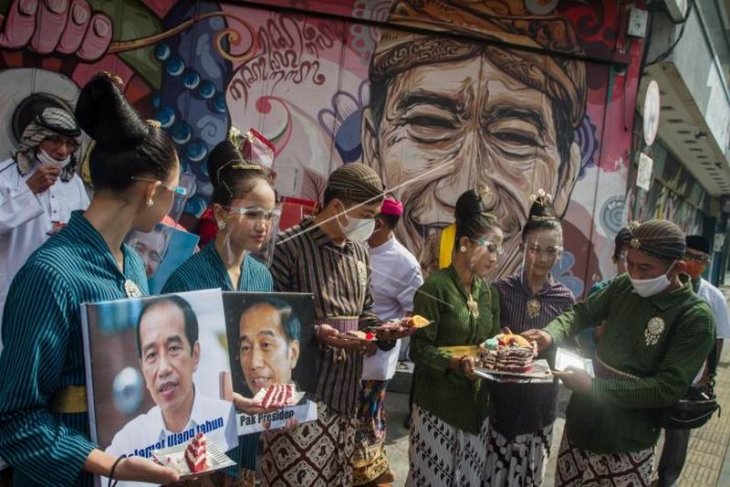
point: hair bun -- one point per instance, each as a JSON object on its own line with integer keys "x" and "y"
{"x": 542, "y": 210}
{"x": 223, "y": 153}
{"x": 104, "y": 113}
{"x": 468, "y": 205}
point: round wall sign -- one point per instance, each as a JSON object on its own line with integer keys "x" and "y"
{"x": 651, "y": 112}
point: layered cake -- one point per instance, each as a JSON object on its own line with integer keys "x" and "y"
{"x": 507, "y": 353}
{"x": 196, "y": 454}
{"x": 276, "y": 396}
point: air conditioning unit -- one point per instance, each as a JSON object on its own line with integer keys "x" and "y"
{"x": 676, "y": 9}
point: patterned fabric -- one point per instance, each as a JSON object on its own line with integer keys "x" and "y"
{"x": 369, "y": 461}
{"x": 519, "y": 461}
{"x": 52, "y": 122}
{"x": 442, "y": 455}
{"x": 520, "y": 409}
{"x": 581, "y": 468}
{"x": 316, "y": 454}
{"x": 307, "y": 261}
{"x": 73, "y": 267}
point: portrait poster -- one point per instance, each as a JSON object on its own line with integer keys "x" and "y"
{"x": 162, "y": 250}
{"x": 271, "y": 340}
{"x": 156, "y": 369}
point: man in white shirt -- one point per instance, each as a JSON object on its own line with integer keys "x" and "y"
{"x": 395, "y": 278}
{"x": 697, "y": 256}
{"x": 39, "y": 188}
{"x": 169, "y": 352}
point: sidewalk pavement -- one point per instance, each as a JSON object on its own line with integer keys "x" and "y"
{"x": 708, "y": 458}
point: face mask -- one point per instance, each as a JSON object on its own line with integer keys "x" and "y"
{"x": 651, "y": 287}
{"x": 695, "y": 269}
{"x": 44, "y": 158}
{"x": 358, "y": 229}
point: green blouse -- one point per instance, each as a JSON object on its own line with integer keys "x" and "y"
{"x": 642, "y": 375}
{"x": 449, "y": 395}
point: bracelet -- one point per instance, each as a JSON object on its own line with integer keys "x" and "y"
{"x": 114, "y": 467}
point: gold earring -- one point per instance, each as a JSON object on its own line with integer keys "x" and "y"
{"x": 149, "y": 203}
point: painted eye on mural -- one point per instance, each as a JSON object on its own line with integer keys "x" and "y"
{"x": 430, "y": 128}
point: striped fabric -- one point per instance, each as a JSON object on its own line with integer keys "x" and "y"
{"x": 44, "y": 351}
{"x": 339, "y": 370}
{"x": 306, "y": 260}
{"x": 526, "y": 408}
{"x": 205, "y": 270}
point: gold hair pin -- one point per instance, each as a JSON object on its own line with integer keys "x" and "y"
{"x": 153, "y": 123}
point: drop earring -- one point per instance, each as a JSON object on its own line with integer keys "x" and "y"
{"x": 221, "y": 225}
{"x": 462, "y": 249}
{"x": 149, "y": 203}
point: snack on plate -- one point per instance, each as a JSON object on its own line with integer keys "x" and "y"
{"x": 196, "y": 454}
{"x": 416, "y": 321}
{"x": 507, "y": 353}
{"x": 369, "y": 336}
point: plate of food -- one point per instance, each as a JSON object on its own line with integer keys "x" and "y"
{"x": 511, "y": 356}
{"x": 193, "y": 459}
{"x": 411, "y": 322}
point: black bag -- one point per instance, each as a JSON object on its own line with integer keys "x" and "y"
{"x": 692, "y": 411}
{"x": 698, "y": 405}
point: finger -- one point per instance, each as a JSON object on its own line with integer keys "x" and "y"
{"x": 78, "y": 21}
{"x": 97, "y": 39}
{"x": 19, "y": 24}
{"x": 506, "y": 330}
{"x": 52, "y": 18}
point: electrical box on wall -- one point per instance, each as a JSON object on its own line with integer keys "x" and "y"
{"x": 637, "y": 22}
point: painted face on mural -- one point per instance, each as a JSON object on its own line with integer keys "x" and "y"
{"x": 451, "y": 126}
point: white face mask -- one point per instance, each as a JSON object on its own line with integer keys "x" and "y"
{"x": 44, "y": 158}
{"x": 651, "y": 287}
{"x": 358, "y": 229}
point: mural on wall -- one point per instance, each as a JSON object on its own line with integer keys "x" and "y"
{"x": 497, "y": 95}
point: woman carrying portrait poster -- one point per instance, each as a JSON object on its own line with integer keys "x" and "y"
{"x": 244, "y": 205}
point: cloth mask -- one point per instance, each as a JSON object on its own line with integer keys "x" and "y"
{"x": 358, "y": 229}
{"x": 45, "y": 158}
{"x": 651, "y": 287}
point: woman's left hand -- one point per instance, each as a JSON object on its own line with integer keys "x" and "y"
{"x": 468, "y": 364}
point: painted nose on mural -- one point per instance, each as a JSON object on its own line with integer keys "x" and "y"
{"x": 464, "y": 169}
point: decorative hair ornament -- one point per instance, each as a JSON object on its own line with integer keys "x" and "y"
{"x": 634, "y": 242}
{"x": 153, "y": 123}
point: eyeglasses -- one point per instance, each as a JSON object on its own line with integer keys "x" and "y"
{"x": 256, "y": 213}
{"x": 697, "y": 258}
{"x": 550, "y": 250}
{"x": 71, "y": 143}
{"x": 492, "y": 247}
{"x": 178, "y": 190}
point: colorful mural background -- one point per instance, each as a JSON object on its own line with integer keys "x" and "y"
{"x": 508, "y": 96}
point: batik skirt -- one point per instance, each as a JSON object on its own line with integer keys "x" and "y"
{"x": 369, "y": 461}
{"x": 519, "y": 461}
{"x": 443, "y": 455}
{"x": 582, "y": 468}
{"x": 317, "y": 454}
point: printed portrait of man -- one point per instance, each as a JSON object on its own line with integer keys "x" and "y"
{"x": 269, "y": 343}
{"x": 169, "y": 353}
{"x": 448, "y": 114}
{"x": 151, "y": 246}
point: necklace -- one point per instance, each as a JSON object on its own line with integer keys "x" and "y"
{"x": 533, "y": 308}
{"x": 473, "y": 306}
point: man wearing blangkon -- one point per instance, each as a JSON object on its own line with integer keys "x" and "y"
{"x": 447, "y": 114}
{"x": 169, "y": 352}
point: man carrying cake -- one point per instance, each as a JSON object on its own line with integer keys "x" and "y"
{"x": 658, "y": 333}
